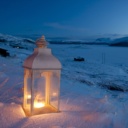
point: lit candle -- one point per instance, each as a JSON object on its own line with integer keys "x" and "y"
{"x": 38, "y": 104}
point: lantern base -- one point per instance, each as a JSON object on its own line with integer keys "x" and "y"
{"x": 42, "y": 110}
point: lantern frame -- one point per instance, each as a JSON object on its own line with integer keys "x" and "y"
{"x": 41, "y": 81}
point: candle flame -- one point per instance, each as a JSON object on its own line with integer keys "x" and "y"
{"x": 39, "y": 104}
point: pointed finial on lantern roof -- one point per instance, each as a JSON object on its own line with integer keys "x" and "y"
{"x": 41, "y": 42}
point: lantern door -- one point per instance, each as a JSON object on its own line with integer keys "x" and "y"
{"x": 45, "y": 91}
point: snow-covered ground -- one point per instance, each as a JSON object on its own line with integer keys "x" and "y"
{"x": 94, "y": 93}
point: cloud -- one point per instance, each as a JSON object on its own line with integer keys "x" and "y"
{"x": 64, "y": 27}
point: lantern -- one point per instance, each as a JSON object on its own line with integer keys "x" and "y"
{"x": 41, "y": 81}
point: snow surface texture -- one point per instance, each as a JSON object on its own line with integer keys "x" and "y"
{"x": 86, "y": 101}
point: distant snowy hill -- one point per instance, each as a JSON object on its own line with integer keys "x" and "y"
{"x": 13, "y": 44}
{"x": 103, "y": 40}
{"x": 98, "y": 41}
{"x": 27, "y": 43}
{"x": 15, "y": 41}
{"x": 120, "y": 42}
{"x": 9, "y": 38}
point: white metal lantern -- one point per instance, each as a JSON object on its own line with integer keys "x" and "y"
{"x": 41, "y": 81}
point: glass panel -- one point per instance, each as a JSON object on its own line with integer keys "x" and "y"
{"x": 55, "y": 89}
{"x": 27, "y": 91}
{"x": 39, "y": 89}
{"x": 45, "y": 91}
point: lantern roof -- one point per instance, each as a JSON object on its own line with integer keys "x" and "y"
{"x": 42, "y": 57}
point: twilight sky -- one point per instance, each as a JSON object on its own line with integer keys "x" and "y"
{"x": 64, "y": 18}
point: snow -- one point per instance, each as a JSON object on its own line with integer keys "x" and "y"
{"x": 86, "y": 101}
